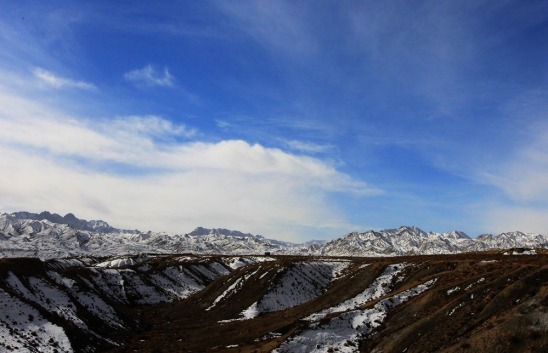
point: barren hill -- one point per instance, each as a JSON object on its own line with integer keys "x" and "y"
{"x": 480, "y": 302}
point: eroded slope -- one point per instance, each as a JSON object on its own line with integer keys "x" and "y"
{"x": 484, "y": 302}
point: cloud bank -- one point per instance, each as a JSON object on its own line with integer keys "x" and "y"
{"x": 150, "y": 173}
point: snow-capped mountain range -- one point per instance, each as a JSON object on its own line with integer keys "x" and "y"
{"x": 48, "y": 235}
{"x": 414, "y": 241}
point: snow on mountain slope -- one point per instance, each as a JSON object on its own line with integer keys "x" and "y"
{"x": 343, "y": 332}
{"x": 414, "y": 241}
{"x": 41, "y": 235}
{"x": 71, "y": 220}
{"x": 380, "y": 286}
{"x": 43, "y": 238}
{"x": 23, "y": 328}
{"x": 297, "y": 284}
{"x": 116, "y": 304}
{"x": 232, "y": 289}
{"x": 43, "y": 302}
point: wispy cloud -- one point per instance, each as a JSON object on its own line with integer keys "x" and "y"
{"x": 152, "y": 126}
{"x": 505, "y": 218}
{"x": 517, "y": 167}
{"x": 55, "y": 81}
{"x": 149, "y": 76}
{"x": 308, "y": 147}
{"x": 222, "y": 124}
{"x": 523, "y": 176}
{"x": 276, "y": 25}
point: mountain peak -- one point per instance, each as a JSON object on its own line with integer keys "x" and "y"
{"x": 412, "y": 230}
{"x": 21, "y": 233}
{"x": 456, "y": 234}
{"x": 72, "y": 221}
{"x": 70, "y": 217}
{"x": 201, "y": 231}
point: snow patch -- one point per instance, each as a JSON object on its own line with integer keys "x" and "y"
{"x": 232, "y": 289}
{"x": 378, "y": 288}
{"x": 301, "y": 282}
{"x": 22, "y": 328}
{"x": 473, "y": 284}
{"x": 342, "y": 333}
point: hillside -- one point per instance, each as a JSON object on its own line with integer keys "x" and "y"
{"x": 483, "y": 302}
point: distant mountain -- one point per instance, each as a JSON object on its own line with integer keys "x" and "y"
{"x": 245, "y": 240}
{"x": 414, "y": 241}
{"x": 71, "y": 220}
{"x": 49, "y": 235}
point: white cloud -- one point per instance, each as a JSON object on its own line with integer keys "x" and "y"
{"x": 308, "y": 147}
{"x": 52, "y": 161}
{"x": 172, "y": 201}
{"x": 522, "y": 177}
{"x": 511, "y": 218}
{"x": 150, "y": 77}
{"x": 55, "y": 81}
{"x": 522, "y": 172}
{"x": 150, "y": 125}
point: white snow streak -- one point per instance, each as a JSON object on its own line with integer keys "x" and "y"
{"x": 343, "y": 332}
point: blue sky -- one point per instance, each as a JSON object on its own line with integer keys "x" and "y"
{"x": 292, "y": 119}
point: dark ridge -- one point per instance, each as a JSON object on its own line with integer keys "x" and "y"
{"x": 72, "y": 221}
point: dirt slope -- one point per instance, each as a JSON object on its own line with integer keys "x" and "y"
{"x": 479, "y": 303}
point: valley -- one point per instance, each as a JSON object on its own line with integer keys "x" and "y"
{"x": 71, "y": 285}
{"x": 478, "y": 302}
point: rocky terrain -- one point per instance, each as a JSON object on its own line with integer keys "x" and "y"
{"x": 483, "y": 302}
{"x": 71, "y": 285}
{"x": 414, "y": 241}
{"x": 48, "y": 235}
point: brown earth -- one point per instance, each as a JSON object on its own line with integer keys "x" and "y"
{"x": 507, "y": 311}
